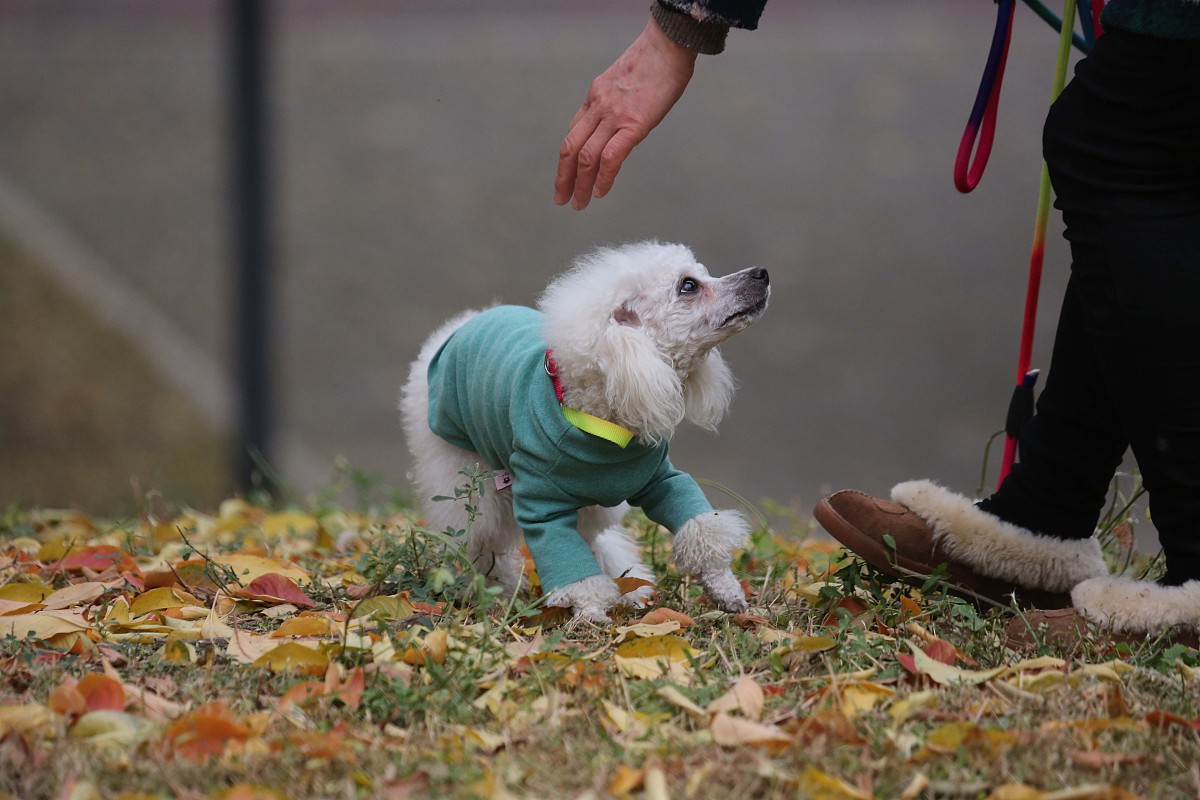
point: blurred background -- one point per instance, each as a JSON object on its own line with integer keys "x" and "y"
{"x": 412, "y": 152}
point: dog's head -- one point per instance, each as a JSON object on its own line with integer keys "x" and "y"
{"x": 636, "y": 329}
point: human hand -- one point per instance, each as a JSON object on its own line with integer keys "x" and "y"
{"x": 623, "y": 105}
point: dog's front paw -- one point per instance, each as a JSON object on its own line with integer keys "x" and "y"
{"x": 704, "y": 547}
{"x": 725, "y": 590}
{"x": 589, "y": 599}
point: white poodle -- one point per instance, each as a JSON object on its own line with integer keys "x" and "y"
{"x": 573, "y": 405}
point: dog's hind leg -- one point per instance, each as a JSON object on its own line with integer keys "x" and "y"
{"x": 494, "y": 540}
{"x": 617, "y": 553}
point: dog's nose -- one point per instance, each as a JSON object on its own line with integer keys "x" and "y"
{"x": 760, "y": 274}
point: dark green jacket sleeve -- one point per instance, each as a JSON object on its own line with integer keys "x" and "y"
{"x": 671, "y": 498}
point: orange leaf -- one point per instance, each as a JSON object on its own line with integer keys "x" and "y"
{"x": 66, "y": 699}
{"x": 657, "y": 615}
{"x": 909, "y": 608}
{"x": 626, "y": 585}
{"x": 101, "y": 693}
{"x": 352, "y": 689}
{"x": 301, "y": 693}
{"x": 204, "y": 732}
{"x": 275, "y": 588}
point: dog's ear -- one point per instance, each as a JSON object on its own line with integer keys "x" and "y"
{"x": 708, "y": 391}
{"x": 640, "y": 385}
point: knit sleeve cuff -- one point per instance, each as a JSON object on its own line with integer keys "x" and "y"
{"x": 706, "y": 38}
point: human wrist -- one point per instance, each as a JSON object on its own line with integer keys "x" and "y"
{"x": 704, "y": 38}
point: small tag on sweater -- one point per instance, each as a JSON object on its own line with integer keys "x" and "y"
{"x": 503, "y": 481}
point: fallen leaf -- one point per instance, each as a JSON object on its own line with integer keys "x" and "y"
{"x": 160, "y": 598}
{"x": 1094, "y": 759}
{"x": 657, "y": 615}
{"x": 275, "y": 588}
{"x": 729, "y": 731}
{"x": 680, "y": 700}
{"x": 305, "y": 626}
{"x": 77, "y": 594}
{"x": 204, "y": 732}
{"x": 249, "y": 567}
{"x": 745, "y": 697}
{"x": 97, "y": 558}
{"x": 817, "y": 785}
{"x": 41, "y": 626}
{"x": 859, "y": 698}
{"x": 294, "y": 657}
{"x": 101, "y": 693}
{"x": 644, "y": 630}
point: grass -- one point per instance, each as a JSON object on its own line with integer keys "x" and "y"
{"x": 466, "y": 692}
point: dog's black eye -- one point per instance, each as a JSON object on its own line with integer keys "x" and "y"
{"x": 688, "y": 285}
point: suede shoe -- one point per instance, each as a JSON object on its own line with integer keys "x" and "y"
{"x": 860, "y": 521}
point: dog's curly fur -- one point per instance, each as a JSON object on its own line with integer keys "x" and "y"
{"x": 634, "y": 331}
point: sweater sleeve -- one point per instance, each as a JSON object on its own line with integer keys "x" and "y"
{"x": 702, "y": 25}
{"x": 671, "y": 498}
{"x": 549, "y": 519}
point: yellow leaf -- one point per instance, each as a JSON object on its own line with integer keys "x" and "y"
{"x": 289, "y": 523}
{"x": 680, "y": 700}
{"x": 624, "y": 721}
{"x": 817, "y": 785}
{"x": 385, "y": 607}
{"x": 484, "y": 740}
{"x": 177, "y": 650}
{"x": 673, "y": 648}
{"x": 29, "y": 719}
{"x": 160, "y": 598}
{"x": 1108, "y": 671}
{"x": 1190, "y": 673}
{"x": 77, "y": 594}
{"x": 801, "y": 649}
{"x": 1015, "y": 791}
{"x": 947, "y": 738}
{"x": 730, "y": 731}
{"x": 1041, "y": 682}
{"x": 110, "y": 728}
{"x": 214, "y": 628}
{"x": 41, "y": 626}
{"x": 292, "y": 656}
{"x": 858, "y": 698}
{"x": 655, "y": 656}
{"x": 914, "y": 703}
{"x": 644, "y": 630}
{"x": 248, "y": 567}
{"x": 24, "y": 592}
{"x": 948, "y": 675}
{"x": 746, "y": 698}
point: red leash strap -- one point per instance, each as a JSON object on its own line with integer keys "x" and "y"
{"x": 981, "y": 125}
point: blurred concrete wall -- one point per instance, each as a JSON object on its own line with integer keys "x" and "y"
{"x": 416, "y": 147}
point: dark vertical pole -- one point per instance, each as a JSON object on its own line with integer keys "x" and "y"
{"x": 251, "y": 224}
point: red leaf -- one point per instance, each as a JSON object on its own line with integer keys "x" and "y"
{"x": 941, "y": 650}
{"x": 273, "y": 587}
{"x": 97, "y": 559}
{"x": 908, "y": 662}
